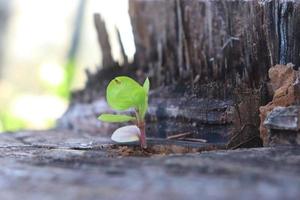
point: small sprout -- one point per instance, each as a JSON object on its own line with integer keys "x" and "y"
{"x": 123, "y": 93}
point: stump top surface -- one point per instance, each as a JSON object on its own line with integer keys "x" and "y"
{"x": 66, "y": 165}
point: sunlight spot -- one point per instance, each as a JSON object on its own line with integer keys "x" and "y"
{"x": 37, "y": 111}
{"x": 51, "y": 73}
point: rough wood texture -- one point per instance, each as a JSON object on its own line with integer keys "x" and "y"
{"x": 208, "y": 61}
{"x": 197, "y": 53}
{"x": 283, "y": 125}
{"x": 200, "y": 41}
{"x": 103, "y": 39}
{"x": 218, "y": 49}
{"x": 65, "y": 165}
{"x": 222, "y": 49}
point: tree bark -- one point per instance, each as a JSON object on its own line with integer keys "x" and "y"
{"x": 208, "y": 63}
{"x": 217, "y": 50}
{"x": 230, "y": 42}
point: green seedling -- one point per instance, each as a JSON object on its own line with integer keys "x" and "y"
{"x": 124, "y": 93}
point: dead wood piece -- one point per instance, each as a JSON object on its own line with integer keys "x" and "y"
{"x": 103, "y": 38}
{"x": 195, "y": 140}
{"x": 180, "y": 135}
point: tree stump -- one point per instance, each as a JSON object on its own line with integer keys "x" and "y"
{"x": 73, "y": 166}
{"x": 207, "y": 62}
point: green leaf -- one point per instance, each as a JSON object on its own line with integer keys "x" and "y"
{"x": 123, "y": 93}
{"x": 146, "y": 85}
{"x": 115, "y": 118}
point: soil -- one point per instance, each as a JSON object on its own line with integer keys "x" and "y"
{"x": 158, "y": 149}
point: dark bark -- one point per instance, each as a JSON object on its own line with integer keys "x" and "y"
{"x": 218, "y": 50}
{"x": 103, "y": 38}
{"x": 228, "y": 42}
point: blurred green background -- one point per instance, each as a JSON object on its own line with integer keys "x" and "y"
{"x": 45, "y": 45}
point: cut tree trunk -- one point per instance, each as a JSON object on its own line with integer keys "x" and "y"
{"x": 207, "y": 61}
{"x": 66, "y": 165}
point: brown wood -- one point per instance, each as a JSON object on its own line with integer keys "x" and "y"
{"x": 217, "y": 50}
{"x": 207, "y": 61}
{"x": 103, "y": 38}
{"x": 204, "y": 41}
{"x": 180, "y": 135}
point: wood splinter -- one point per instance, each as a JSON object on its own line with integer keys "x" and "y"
{"x": 182, "y": 136}
{"x": 178, "y": 136}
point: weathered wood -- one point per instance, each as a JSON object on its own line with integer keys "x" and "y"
{"x": 283, "y": 125}
{"x": 207, "y": 61}
{"x": 217, "y": 49}
{"x": 103, "y": 38}
{"x": 66, "y": 165}
{"x": 229, "y": 42}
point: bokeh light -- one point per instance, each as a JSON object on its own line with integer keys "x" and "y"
{"x": 35, "y": 44}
